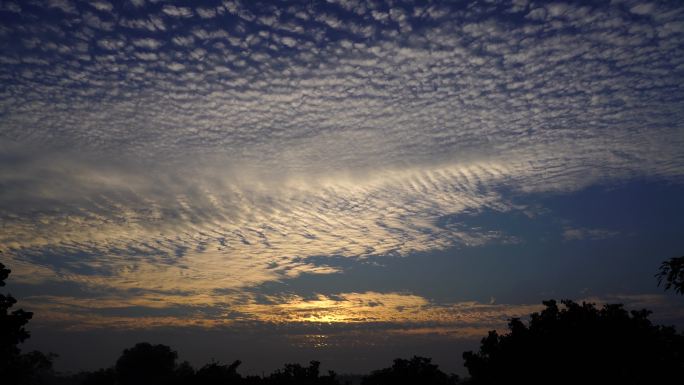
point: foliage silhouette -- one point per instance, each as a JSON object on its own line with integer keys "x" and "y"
{"x": 145, "y": 363}
{"x": 185, "y": 374}
{"x": 672, "y": 273}
{"x": 17, "y": 368}
{"x": 579, "y": 344}
{"x": 12, "y": 331}
{"x": 417, "y": 370}
{"x": 295, "y": 374}
{"x": 99, "y": 377}
{"x": 217, "y": 374}
{"x": 156, "y": 365}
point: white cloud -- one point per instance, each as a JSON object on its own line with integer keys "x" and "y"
{"x": 176, "y": 67}
{"x": 147, "y": 43}
{"x": 94, "y": 21}
{"x": 111, "y": 44}
{"x": 102, "y": 5}
{"x": 174, "y": 11}
{"x": 206, "y": 13}
{"x": 64, "y": 5}
{"x": 142, "y": 24}
{"x": 183, "y": 40}
{"x": 146, "y": 55}
{"x": 643, "y": 8}
{"x": 288, "y": 41}
{"x": 537, "y": 14}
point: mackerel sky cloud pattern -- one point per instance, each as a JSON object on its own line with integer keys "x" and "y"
{"x": 233, "y": 143}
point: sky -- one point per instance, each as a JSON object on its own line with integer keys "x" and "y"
{"x": 346, "y": 181}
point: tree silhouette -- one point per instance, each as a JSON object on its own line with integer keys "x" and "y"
{"x": 12, "y": 331}
{"x": 99, "y": 377}
{"x": 217, "y": 374}
{"x": 579, "y": 344}
{"x": 185, "y": 375}
{"x": 417, "y": 370}
{"x": 17, "y": 368}
{"x": 295, "y": 374}
{"x": 146, "y": 364}
{"x": 672, "y": 273}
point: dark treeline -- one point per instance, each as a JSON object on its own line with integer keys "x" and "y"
{"x": 572, "y": 344}
{"x": 156, "y": 364}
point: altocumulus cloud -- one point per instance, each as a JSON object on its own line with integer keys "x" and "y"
{"x": 183, "y": 152}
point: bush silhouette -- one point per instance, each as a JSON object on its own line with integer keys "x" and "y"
{"x": 417, "y": 370}
{"x": 579, "y": 344}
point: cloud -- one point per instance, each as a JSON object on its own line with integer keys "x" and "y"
{"x": 65, "y": 5}
{"x": 234, "y": 229}
{"x": 401, "y": 313}
{"x": 578, "y": 234}
{"x": 102, "y": 5}
{"x": 94, "y": 21}
{"x": 111, "y": 44}
{"x": 183, "y": 40}
{"x": 227, "y": 148}
{"x": 390, "y": 308}
{"x": 11, "y": 7}
{"x": 642, "y": 9}
{"x": 206, "y": 13}
{"x": 176, "y": 67}
{"x": 147, "y": 43}
{"x": 174, "y": 11}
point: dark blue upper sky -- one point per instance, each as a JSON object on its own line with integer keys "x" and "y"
{"x": 322, "y": 178}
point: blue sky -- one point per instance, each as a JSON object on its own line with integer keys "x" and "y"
{"x": 333, "y": 177}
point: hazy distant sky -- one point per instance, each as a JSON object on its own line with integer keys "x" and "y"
{"x": 347, "y": 181}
